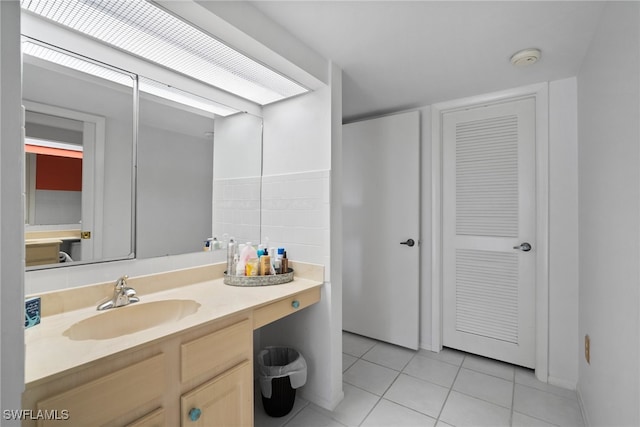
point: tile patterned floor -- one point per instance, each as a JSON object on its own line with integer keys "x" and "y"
{"x": 389, "y": 386}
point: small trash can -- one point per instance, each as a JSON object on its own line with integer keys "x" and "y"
{"x": 281, "y": 371}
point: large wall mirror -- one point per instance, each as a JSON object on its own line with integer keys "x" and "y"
{"x": 111, "y": 175}
{"x": 80, "y": 151}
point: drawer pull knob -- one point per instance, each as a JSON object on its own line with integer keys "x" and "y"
{"x": 194, "y": 414}
{"x": 295, "y": 304}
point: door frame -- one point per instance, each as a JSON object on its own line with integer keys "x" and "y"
{"x": 93, "y": 140}
{"x": 540, "y": 92}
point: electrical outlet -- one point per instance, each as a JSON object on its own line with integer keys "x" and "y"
{"x": 587, "y": 349}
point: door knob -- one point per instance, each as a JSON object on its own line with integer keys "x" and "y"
{"x": 524, "y": 247}
{"x": 409, "y": 242}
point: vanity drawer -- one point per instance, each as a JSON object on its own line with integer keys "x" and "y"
{"x": 38, "y": 253}
{"x": 216, "y": 352}
{"x": 279, "y": 309}
{"x": 153, "y": 419}
{"x": 107, "y": 398}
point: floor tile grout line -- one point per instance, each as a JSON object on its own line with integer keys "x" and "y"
{"x": 450, "y": 390}
{"x": 375, "y": 363}
{"x": 400, "y": 404}
{"x": 460, "y": 367}
{"x": 513, "y": 398}
{"x": 537, "y": 418}
{"x": 569, "y": 400}
{"x": 551, "y": 393}
{"x": 295, "y": 414}
{"x": 387, "y": 389}
{"x": 490, "y": 374}
{"x": 562, "y": 397}
{"x": 480, "y": 398}
{"x": 438, "y": 359}
{"x": 370, "y": 411}
{"x": 379, "y": 397}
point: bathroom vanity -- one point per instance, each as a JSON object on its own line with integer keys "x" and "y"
{"x": 184, "y": 359}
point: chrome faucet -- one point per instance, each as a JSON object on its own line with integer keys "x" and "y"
{"x": 122, "y": 295}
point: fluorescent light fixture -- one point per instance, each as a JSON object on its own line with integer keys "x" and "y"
{"x": 143, "y": 29}
{"x": 145, "y": 85}
{"x": 76, "y": 63}
{"x": 171, "y": 93}
{"x": 52, "y": 144}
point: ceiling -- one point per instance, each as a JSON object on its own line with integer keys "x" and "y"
{"x": 398, "y": 55}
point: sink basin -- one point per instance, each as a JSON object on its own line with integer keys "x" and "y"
{"x": 132, "y": 318}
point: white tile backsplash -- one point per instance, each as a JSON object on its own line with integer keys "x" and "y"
{"x": 296, "y": 214}
{"x": 237, "y": 208}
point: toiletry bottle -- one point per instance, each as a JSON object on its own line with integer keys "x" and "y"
{"x": 265, "y": 265}
{"x": 237, "y": 268}
{"x": 231, "y": 252}
{"x": 252, "y": 267}
{"x": 277, "y": 265}
{"x": 279, "y": 257}
{"x": 247, "y": 252}
{"x": 274, "y": 259}
{"x": 260, "y": 253}
{"x": 285, "y": 262}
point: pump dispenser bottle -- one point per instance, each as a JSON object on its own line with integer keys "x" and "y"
{"x": 231, "y": 253}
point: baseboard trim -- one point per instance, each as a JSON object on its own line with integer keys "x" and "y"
{"x": 585, "y": 417}
{"x": 424, "y": 346}
{"x": 561, "y": 382}
{"x": 329, "y": 405}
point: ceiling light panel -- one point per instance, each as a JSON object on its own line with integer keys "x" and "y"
{"x": 73, "y": 62}
{"x": 145, "y": 85}
{"x": 147, "y": 31}
{"x": 168, "y": 92}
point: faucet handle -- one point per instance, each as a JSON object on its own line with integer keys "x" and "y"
{"x": 122, "y": 282}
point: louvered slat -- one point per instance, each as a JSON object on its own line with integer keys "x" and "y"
{"x": 487, "y": 294}
{"x": 487, "y": 177}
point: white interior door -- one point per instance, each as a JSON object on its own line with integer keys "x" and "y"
{"x": 489, "y": 231}
{"x": 381, "y": 206}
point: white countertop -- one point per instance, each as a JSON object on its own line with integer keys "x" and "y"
{"x": 50, "y": 352}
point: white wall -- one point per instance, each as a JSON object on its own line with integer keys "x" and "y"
{"x": 11, "y": 214}
{"x": 237, "y": 169}
{"x": 296, "y": 134}
{"x": 237, "y": 147}
{"x": 609, "y": 197}
{"x": 563, "y": 233}
{"x": 299, "y": 137}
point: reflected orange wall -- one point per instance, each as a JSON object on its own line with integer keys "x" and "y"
{"x": 58, "y": 173}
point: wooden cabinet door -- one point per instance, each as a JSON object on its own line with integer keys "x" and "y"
{"x": 225, "y": 401}
{"x": 104, "y": 399}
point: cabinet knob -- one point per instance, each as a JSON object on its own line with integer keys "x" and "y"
{"x": 295, "y": 304}
{"x": 194, "y": 414}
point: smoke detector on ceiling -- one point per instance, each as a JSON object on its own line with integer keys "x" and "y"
{"x": 526, "y": 57}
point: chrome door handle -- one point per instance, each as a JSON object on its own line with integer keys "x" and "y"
{"x": 409, "y": 242}
{"x": 524, "y": 247}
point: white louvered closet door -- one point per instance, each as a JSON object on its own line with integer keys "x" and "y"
{"x": 488, "y": 212}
